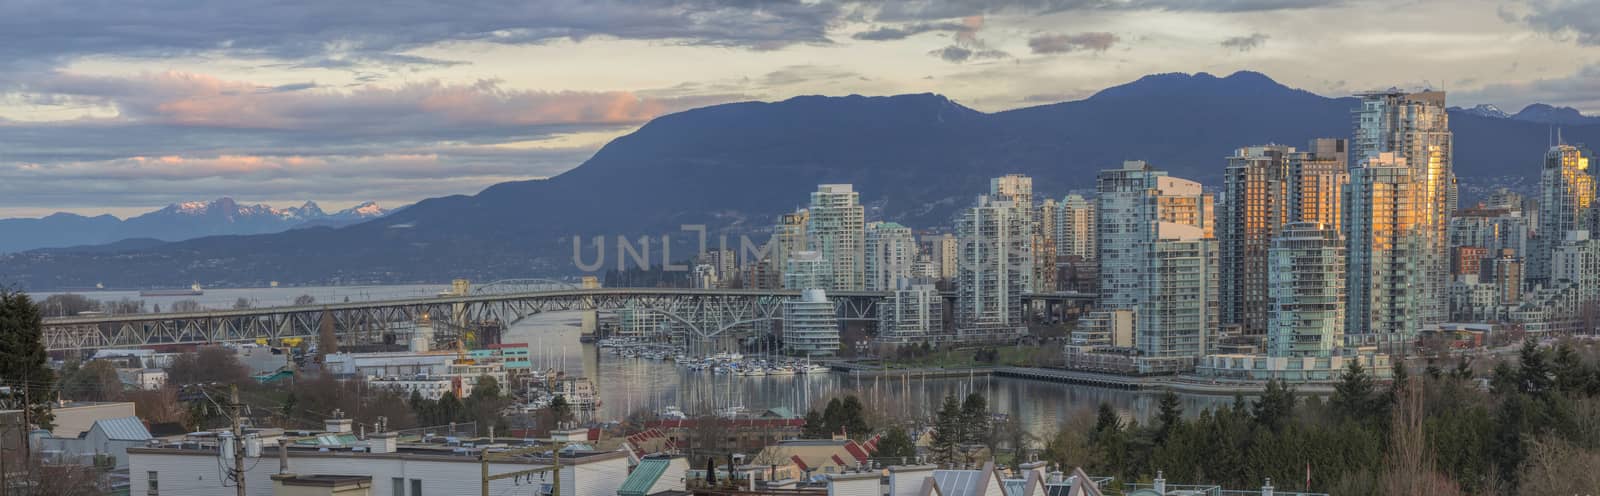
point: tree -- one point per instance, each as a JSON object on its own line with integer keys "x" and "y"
{"x": 816, "y": 427}
{"x": 304, "y": 300}
{"x": 1534, "y": 373}
{"x": 947, "y": 433}
{"x": 63, "y": 305}
{"x": 560, "y": 410}
{"x": 975, "y": 420}
{"x": 1170, "y": 416}
{"x": 1571, "y": 375}
{"x": 1352, "y": 396}
{"x": 93, "y": 381}
{"x": 212, "y": 364}
{"x": 897, "y": 447}
{"x": 242, "y": 303}
{"x": 123, "y": 306}
{"x": 185, "y": 306}
{"x": 853, "y": 416}
{"x": 24, "y": 366}
{"x": 1275, "y": 406}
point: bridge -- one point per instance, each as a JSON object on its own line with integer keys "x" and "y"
{"x": 704, "y": 312}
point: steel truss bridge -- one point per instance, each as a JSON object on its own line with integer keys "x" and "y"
{"x": 704, "y": 312}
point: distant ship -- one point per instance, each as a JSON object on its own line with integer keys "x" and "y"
{"x": 194, "y": 290}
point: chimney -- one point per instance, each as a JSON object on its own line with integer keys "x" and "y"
{"x": 382, "y": 442}
{"x": 1160, "y": 484}
{"x": 283, "y": 456}
{"x": 337, "y": 425}
{"x": 1266, "y": 490}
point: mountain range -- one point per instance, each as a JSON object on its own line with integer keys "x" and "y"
{"x": 175, "y": 222}
{"x": 916, "y": 159}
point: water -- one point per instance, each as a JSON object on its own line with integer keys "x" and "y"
{"x": 628, "y": 385}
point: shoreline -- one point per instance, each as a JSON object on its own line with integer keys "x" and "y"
{"x": 1178, "y": 384}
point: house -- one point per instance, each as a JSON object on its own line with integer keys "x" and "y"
{"x": 107, "y": 439}
{"x": 801, "y": 458}
{"x": 142, "y": 378}
{"x": 189, "y": 467}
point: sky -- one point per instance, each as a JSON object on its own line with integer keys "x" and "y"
{"x": 122, "y": 107}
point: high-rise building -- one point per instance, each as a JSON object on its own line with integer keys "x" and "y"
{"x": 1491, "y": 228}
{"x": 1306, "y": 285}
{"x": 1415, "y": 128}
{"x": 836, "y": 226}
{"x": 1075, "y": 228}
{"x": 1505, "y": 272}
{"x": 1566, "y": 203}
{"x": 807, "y": 270}
{"x": 1384, "y": 306}
{"x": 1576, "y": 262}
{"x": 1255, "y": 205}
{"x": 1014, "y": 188}
{"x": 789, "y": 237}
{"x": 891, "y": 253}
{"x": 994, "y": 270}
{"x": 1132, "y": 203}
{"x": 1316, "y": 178}
{"x": 809, "y": 325}
{"x": 1017, "y": 190}
{"x": 1176, "y": 308}
{"x": 1044, "y": 247}
{"x": 912, "y": 313}
{"x": 945, "y": 251}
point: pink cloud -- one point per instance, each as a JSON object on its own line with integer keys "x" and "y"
{"x": 201, "y": 100}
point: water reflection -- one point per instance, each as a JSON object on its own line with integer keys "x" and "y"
{"x": 639, "y": 385}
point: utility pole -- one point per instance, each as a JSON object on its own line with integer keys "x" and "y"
{"x": 238, "y": 440}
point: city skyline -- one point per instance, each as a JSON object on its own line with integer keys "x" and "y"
{"x": 158, "y": 107}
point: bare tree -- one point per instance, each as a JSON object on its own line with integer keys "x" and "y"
{"x": 242, "y": 303}
{"x": 182, "y": 306}
{"x": 124, "y": 306}
{"x": 62, "y": 305}
{"x": 304, "y": 300}
{"x": 1410, "y": 468}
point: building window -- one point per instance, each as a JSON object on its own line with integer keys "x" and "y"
{"x": 416, "y": 487}
{"x": 399, "y": 484}
{"x": 154, "y": 483}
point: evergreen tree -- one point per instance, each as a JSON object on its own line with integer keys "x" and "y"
{"x": 1170, "y": 416}
{"x": 852, "y": 418}
{"x": 1534, "y": 374}
{"x": 947, "y": 433}
{"x": 833, "y": 416}
{"x": 975, "y": 420}
{"x": 1275, "y": 406}
{"x": 560, "y": 410}
{"x": 896, "y": 447}
{"x": 1571, "y": 376}
{"x": 24, "y": 366}
{"x": 449, "y": 408}
{"x": 815, "y": 427}
{"x": 1352, "y": 396}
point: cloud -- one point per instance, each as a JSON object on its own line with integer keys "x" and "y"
{"x": 198, "y": 100}
{"x": 886, "y": 33}
{"x": 949, "y": 9}
{"x": 1564, "y": 19}
{"x": 368, "y": 31}
{"x": 958, "y": 54}
{"x": 1245, "y": 43}
{"x": 180, "y": 136}
{"x": 1063, "y": 43}
{"x": 796, "y": 74}
{"x": 1580, "y": 90}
